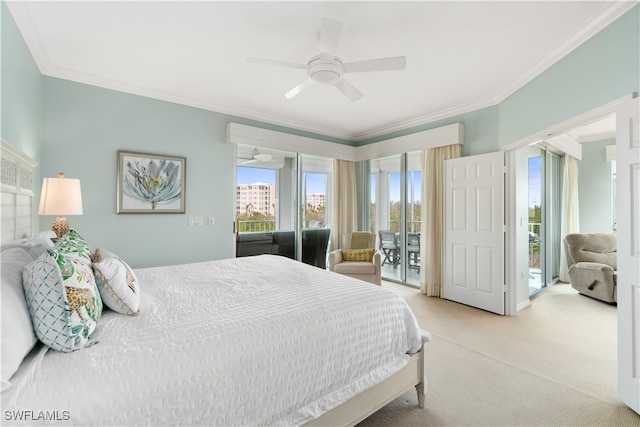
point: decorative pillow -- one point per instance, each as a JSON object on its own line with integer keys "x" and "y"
{"x": 72, "y": 243}
{"x": 358, "y": 254}
{"x": 63, "y": 300}
{"x": 17, "y": 333}
{"x": 117, "y": 283}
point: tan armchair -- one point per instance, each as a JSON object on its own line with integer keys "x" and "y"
{"x": 370, "y": 271}
{"x": 592, "y": 264}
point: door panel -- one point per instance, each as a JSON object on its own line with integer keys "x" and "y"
{"x": 474, "y": 236}
{"x": 628, "y": 220}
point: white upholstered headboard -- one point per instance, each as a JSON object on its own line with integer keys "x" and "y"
{"x": 17, "y": 170}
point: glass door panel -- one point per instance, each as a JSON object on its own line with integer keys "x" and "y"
{"x": 536, "y": 231}
{"x": 413, "y": 211}
{"x": 395, "y": 215}
{"x": 315, "y": 228}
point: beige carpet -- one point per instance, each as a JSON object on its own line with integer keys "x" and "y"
{"x": 552, "y": 365}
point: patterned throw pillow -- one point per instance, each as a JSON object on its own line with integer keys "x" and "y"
{"x": 117, "y": 283}
{"x": 73, "y": 244}
{"x": 358, "y": 254}
{"x": 62, "y": 297}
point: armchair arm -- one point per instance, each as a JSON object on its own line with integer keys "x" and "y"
{"x": 377, "y": 258}
{"x": 594, "y": 279}
{"x": 335, "y": 257}
{"x": 593, "y": 266}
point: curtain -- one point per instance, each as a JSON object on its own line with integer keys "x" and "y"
{"x": 343, "y": 203}
{"x": 570, "y": 221}
{"x": 432, "y": 217}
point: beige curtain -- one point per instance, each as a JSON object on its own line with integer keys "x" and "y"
{"x": 570, "y": 219}
{"x": 432, "y": 217}
{"x": 343, "y": 201}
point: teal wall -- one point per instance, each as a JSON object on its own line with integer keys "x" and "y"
{"x": 20, "y": 90}
{"x": 84, "y": 126}
{"x": 594, "y": 188}
{"x": 604, "y": 68}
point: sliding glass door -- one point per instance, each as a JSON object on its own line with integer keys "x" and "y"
{"x": 282, "y": 204}
{"x": 545, "y": 200}
{"x": 395, "y": 215}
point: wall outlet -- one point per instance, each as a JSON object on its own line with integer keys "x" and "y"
{"x": 212, "y": 221}
{"x": 195, "y": 221}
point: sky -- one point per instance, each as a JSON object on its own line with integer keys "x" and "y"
{"x": 535, "y": 180}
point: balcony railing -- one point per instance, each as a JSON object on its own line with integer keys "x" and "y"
{"x": 256, "y": 225}
{"x": 247, "y": 226}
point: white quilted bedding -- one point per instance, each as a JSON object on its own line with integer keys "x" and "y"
{"x": 248, "y": 341}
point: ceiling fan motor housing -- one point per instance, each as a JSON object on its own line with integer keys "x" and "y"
{"x": 325, "y": 71}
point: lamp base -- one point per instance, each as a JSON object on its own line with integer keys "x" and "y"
{"x": 60, "y": 226}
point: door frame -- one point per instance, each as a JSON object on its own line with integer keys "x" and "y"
{"x": 516, "y": 254}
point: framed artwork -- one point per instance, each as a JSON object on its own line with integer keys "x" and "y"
{"x": 150, "y": 183}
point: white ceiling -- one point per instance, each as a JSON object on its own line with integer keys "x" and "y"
{"x": 461, "y": 56}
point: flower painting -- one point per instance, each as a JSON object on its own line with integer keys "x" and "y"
{"x": 150, "y": 183}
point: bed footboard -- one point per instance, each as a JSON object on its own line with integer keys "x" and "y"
{"x": 369, "y": 401}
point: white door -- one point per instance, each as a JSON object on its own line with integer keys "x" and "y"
{"x": 628, "y": 221}
{"x": 474, "y": 231}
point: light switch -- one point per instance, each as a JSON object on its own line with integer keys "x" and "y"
{"x": 212, "y": 221}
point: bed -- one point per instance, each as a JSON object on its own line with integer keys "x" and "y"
{"x": 261, "y": 340}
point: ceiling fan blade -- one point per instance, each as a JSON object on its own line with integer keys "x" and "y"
{"x": 276, "y": 62}
{"x": 299, "y": 88}
{"x": 246, "y": 162}
{"x": 348, "y": 89}
{"x": 330, "y": 36}
{"x": 382, "y": 64}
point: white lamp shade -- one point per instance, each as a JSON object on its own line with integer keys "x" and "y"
{"x": 60, "y": 196}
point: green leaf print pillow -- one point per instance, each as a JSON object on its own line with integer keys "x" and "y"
{"x": 62, "y": 297}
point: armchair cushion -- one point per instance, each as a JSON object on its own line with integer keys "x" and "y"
{"x": 358, "y": 254}
{"x": 355, "y": 267}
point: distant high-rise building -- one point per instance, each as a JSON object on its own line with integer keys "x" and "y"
{"x": 256, "y": 197}
{"x": 316, "y": 200}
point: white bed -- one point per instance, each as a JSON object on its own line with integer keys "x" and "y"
{"x": 279, "y": 344}
{"x": 248, "y": 341}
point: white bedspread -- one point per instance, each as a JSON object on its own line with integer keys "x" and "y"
{"x": 249, "y": 341}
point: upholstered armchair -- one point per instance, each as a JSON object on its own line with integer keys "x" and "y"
{"x": 592, "y": 264}
{"x": 358, "y": 257}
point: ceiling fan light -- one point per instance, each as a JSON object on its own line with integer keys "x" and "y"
{"x": 326, "y": 77}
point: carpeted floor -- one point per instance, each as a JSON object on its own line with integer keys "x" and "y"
{"x": 552, "y": 365}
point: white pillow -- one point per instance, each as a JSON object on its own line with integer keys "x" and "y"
{"x": 17, "y": 331}
{"x": 117, "y": 283}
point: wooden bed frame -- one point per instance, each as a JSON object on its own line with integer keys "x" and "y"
{"x": 17, "y": 222}
{"x": 369, "y": 401}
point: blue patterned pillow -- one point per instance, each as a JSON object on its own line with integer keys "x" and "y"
{"x": 62, "y": 297}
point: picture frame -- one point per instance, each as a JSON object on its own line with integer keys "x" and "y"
{"x": 150, "y": 183}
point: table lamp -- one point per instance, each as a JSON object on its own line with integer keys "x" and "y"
{"x": 60, "y": 196}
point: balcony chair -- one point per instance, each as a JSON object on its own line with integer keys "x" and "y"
{"x": 389, "y": 246}
{"x": 358, "y": 257}
{"x": 592, "y": 264}
{"x": 413, "y": 250}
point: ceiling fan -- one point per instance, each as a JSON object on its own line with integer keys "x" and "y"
{"x": 257, "y": 156}
{"x": 326, "y": 68}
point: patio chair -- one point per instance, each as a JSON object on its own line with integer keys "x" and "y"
{"x": 413, "y": 250}
{"x": 389, "y": 246}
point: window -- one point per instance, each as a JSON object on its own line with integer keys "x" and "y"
{"x": 255, "y": 199}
